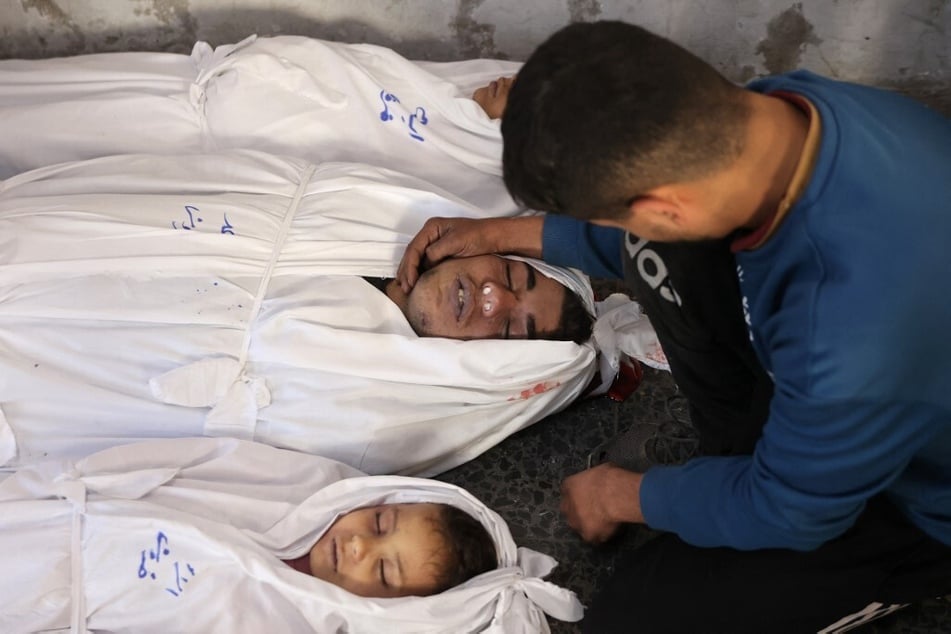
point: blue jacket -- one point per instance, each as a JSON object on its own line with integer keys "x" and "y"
{"x": 849, "y": 307}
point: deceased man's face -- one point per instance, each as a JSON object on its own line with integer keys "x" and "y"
{"x": 484, "y": 297}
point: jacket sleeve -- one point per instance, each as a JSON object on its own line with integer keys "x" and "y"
{"x": 594, "y": 249}
{"x": 816, "y": 465}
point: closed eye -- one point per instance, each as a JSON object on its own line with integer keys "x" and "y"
{"x": 508, "y": 281}
{"x": 379, "y": 531}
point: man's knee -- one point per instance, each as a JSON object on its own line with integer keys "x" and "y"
{"x": 645, "y": 594}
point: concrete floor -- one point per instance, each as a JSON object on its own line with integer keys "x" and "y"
{"x": 520, "y": 479}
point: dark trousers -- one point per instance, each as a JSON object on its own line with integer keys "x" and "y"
{"x": 692, "y": 298}
{"x": 667, "y": 585}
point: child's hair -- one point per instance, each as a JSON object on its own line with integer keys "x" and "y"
{"x": 469, "y": 549}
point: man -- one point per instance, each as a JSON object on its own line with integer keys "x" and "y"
{"x": 226, "y": 295}
{"x": 834, "y": 199}
{"x": 489, "y": 297}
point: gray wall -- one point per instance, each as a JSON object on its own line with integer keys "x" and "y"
{"x": 905, "y": 44}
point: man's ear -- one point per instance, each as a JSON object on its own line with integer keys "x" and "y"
{"x": 660, "y": 207}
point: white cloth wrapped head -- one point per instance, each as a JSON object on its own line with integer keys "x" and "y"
{"x": 231, "y": 283}
{"x": 620, "y": 325}
{"x": 220, "y": 295}
{"x": 227, "y": 512}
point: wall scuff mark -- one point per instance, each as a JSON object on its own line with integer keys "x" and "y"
{"x": 584, "y": 10}
{"x": 476, "y": 39}
{"x": 786, "y": 36}
{"x": 51, "y": 11}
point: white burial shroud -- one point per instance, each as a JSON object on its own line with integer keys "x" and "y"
{"x": 220, "y": 295}
{"x": 187, "y": 535}
{"x": 288, "y": 95}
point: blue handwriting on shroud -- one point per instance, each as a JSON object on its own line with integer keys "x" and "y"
{"x": 158, "y": 561}
{"x": 191, "y": 219}
{"x": 413, "y": 120}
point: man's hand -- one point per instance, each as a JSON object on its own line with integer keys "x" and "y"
{"x": 597, "y": 501}
{"x": 441, "y": 238}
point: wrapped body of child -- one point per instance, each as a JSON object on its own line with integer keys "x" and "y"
{"x": 223, "y": 535}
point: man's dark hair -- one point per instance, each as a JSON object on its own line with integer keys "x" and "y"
{"x": 469, "y": 549}
{"x": 575, "y": 323}
{"x": 603, "y": 112}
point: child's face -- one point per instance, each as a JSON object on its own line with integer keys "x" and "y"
{"x": 392, "y": 550}
{"x": 494, "y": 96}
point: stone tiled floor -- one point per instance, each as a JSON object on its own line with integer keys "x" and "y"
{"x": 520, "y": 479}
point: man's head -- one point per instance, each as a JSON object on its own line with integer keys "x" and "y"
{"x": 395, "y": 550}
{"x": 604, "y": 113}
{"x": 493, "y": 96}
{"x": 491, "y": 297}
